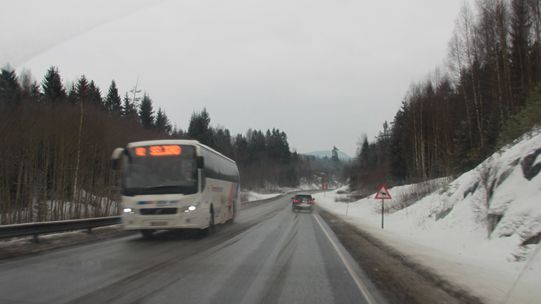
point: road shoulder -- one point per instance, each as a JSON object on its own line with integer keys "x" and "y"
{"x": 18, "y": 247}
{"x": 398, "y": 279}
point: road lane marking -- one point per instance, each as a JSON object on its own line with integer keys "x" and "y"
{"x": 364, "y": 290}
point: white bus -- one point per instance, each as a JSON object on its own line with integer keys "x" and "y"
{"x": 172, "y": 184}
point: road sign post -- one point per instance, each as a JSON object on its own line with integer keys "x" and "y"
{"x": 382, "y": 211}
{"x": 383, "y": 194}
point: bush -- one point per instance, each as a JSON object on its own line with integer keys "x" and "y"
{"x": 524, "y": 120}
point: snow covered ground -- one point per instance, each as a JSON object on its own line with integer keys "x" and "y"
{"x": 254, "y": 196}
{"x": 302, "y": 187}
{"x": 476, "y": 231}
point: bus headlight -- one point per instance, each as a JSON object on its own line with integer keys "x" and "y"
{"x": 190, "y": 208}
{"x": 128, "y": 210}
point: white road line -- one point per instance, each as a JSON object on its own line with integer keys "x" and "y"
{"x": 356, "y": 279}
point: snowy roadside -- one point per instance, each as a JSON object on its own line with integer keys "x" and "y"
{"x": 250, "y": 196}
{"x": 475, "y": 232}
{"x": 485, "y": 276}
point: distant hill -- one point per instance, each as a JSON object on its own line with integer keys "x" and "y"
{"x": 322, "y": 154}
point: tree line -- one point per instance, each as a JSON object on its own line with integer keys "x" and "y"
{"x": 486, "y": 96}
{"x": 57, "y": 141}
{"x": 265, "y": 159}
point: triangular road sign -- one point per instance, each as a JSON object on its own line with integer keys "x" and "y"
{"x": 383, "y": 193}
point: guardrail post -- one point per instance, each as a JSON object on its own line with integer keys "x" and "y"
{"x": 89, "y": 230}
{"x": 35, "y": 238}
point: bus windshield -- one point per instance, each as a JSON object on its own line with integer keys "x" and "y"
{"x": 168, "y": 169}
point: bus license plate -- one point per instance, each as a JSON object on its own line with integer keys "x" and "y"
{"x": 162, "y": 223}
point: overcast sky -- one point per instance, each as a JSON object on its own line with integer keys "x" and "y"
{"x": 323, "y": 71}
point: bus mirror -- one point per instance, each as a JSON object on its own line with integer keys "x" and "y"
{"x": 200, "y": 162}
{"x": 115, "y": 158}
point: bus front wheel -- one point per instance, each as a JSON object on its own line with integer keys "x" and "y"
{"x": 147, "y": 234}
{"x": 210, "y": 228}
{"x": 211, "y": 221}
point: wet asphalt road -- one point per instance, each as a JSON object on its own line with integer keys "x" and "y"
{"x": 269, "y": 255}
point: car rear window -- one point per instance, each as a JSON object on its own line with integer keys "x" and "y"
{"x": 303, "y": 196}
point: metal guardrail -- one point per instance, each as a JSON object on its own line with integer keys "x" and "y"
{"x": 35, "y": 229}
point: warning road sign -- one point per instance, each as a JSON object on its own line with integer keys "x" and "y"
{"x": 383, "y": 193}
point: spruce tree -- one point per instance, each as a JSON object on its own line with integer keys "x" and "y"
{"x": 10, "y": 90}
{"x": 178, "y": 133}
{"x": 53, "y": 90}
{"x": 72, "y": 94}
{"x": 146, "y": 113}
{"x": 129, "y": 109}
{"x": 112, "y": 100}
{"x": 222, "y": 141}
{"x": 94, "y": 95}
{"x": 162, "y": 122}
{"x": 82, "y": 90}
{"x": 35, "y": 93}
{"x": 199, "y": 128}
{"x": 524, "y": 120}
{"x": 397, "y": 148}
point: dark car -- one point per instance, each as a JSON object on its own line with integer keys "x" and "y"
{"x": 302, "y": 202}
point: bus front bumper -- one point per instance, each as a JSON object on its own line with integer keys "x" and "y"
{"x": 191, "y": 220}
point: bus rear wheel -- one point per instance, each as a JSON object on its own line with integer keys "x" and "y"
{"x": 232, "y": 220}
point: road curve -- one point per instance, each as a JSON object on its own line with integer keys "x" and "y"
{"x": 269, "y": 255}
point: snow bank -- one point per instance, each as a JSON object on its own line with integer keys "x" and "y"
{"x": 476, "y": 230}
{"x": 254, "y": 196}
